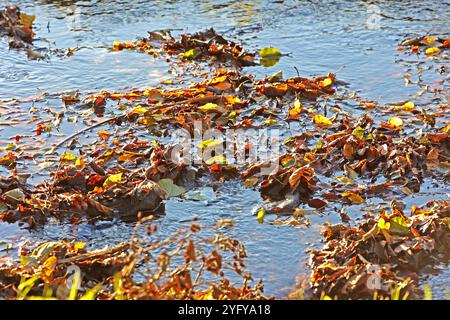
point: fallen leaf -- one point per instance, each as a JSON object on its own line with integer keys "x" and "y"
{"x": 322, "y": 121}
{"x": 170, "y": 188}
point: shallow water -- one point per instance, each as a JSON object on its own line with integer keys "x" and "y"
{"x": 321, "y": 37}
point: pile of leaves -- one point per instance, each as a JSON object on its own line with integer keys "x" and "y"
{"x": 101, "y": 188}
{"x": 17, "y": 26}
{"x": 181, "y": 266}
{"x": 381, "y": 255}
{"x": 428, "y": 45}
{"x": 207, "y": 45}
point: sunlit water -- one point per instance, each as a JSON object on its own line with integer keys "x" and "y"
{"x": 320, "y": 37}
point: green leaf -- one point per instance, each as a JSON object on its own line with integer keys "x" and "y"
{"x": 3, "y": 207}
{"x": 15, "y": 194}
{"x": 276, "y": 77}
{"x": 118, "y": 286}
{"x": 192, "y": 54}
{"x": 10, "y": 146}
{"x": 42, "y": 252}
{"x": 399, "y": 226}
{"x": 217, "y": 159}
{"x": 171, "y": 189}
{"x": 359, "y": 132}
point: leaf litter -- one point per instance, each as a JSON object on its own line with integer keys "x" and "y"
{"x": 122, "y": 175}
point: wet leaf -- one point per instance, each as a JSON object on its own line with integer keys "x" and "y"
{"x": 26, "y": 20}
{"x": 260, "y": 216}
{"x": 408, "y": 107}
{"x": 67, "y": 156}
{"x": 103, "y": 134}
{"x": 296, "y": 110}
{"x": 192, "y": 54}
{"x": 317, "y": 203}
{"x": 398, "y": 226}
{"x": 396, "y": 122}
{"x": 353, "y": 197}
{"x": 113, "y": 180}
{"x": 358, "y": 132}
{"x": 322, "y": 121}
{"x": 269, "y": 53}
{"x": 170, "y": 188}
{"x": 431, "y": 51}
{"x": 216, "y": 160}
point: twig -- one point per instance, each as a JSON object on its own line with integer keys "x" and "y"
{"x": 59, "y": 144}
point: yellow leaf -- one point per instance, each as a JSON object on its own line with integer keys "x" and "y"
{"x": 322, "y": 121}
{"x": 26, "y": 19}
{"x": 429, "y": 40}
{"x": 79, "y": 162}
{"x": 103, "y": 134}
{"x": 269, "y": 53}
{"x": 396, "y": 122}
{"x": 140, "y": 110}
{"x": 260, "y": 216}
{"x": 446, "y": 129}
{"x": 191, "y": 54}
{"x": 431, "y": 51}
{"x": 112, "y": 180}
{"x": 67, "y": 156}
{"x": 383, "y": 225}
{"x": 209, "y": 143}
{"x": 209, "y": 107}
{"x": 79, "y": 245}
{"x": 296, "y": 110}
{"x": 408, "y": 107}
{"x": 353, "y": 197}
{"x": 217, "y": 159}
{"x": 327, "y": 82}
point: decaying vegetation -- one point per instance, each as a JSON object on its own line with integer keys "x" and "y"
{"x": 339, "y": 158}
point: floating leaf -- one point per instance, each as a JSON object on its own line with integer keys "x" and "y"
{"x": 210, "y": 107}
{"x": 353, "y": 197}
{"x": 408, "y": 107}
{"x": 170, "y": 188}
{"x": 10, "y": 146}
{"x": 260, "y": 215}
{"x": 14, "y": 194}
{"x": 327, "y": 82}
{"x": 139, "y": 110}
{"x": 26, "y": 20}
{"x": 296, "y": 110}
{"x": 269, "y": 53}
{"x": 431, "y": 51}
{"x": 317, "y": 203}
{"x": 396, "y": 122}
